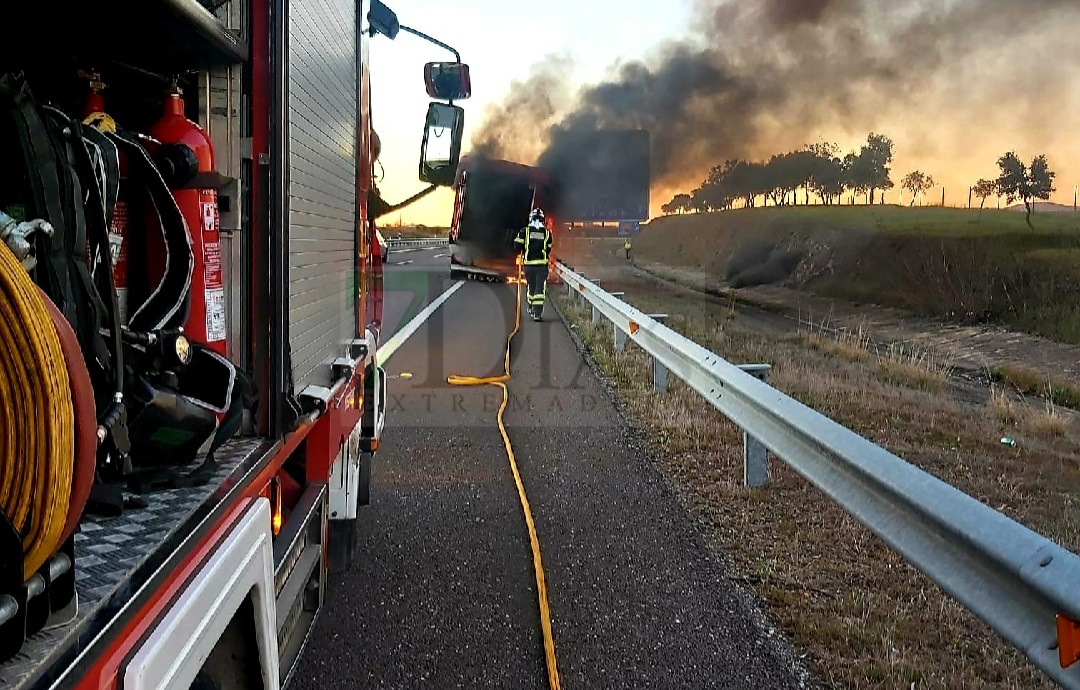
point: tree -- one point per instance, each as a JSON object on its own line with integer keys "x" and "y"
{"x": 680, "y": 203}
{"x": 1018, "y": 181}
{"x": 826, "y": 172}
{"x": 697, "y": 201}
{"x": 875, "y": 157}
{"x": 983, "y": 189}
{"x": 856, "y": 174}
{"x": 916, "y": 182}
{"x": 781, "y": 176}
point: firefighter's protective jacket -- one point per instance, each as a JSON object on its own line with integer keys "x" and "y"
{"x": 535, "y": 239}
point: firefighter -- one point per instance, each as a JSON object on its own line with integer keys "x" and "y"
{"x": 534, "y": 243}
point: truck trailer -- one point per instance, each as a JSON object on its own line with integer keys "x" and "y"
{"x": 190, "y": 278}
{"x": 492, "y": 202}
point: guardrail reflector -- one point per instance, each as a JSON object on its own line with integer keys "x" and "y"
{"x": 1068, "y": 641}
{"x": 634, "y": 327}
{"x": 581, "y": 287}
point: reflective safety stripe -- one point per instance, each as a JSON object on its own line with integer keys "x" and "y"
{"x": 537, "y": 245}
{"x": 538, "y": 297}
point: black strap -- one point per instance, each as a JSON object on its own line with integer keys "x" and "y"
{"x": 81, "y": 208}
{"x": 53, "y": 153}
{"x": 169, "y": 302}
{"x": 45, "y": 187}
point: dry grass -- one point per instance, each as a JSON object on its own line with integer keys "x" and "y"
{"x": 1004, "y": 406}
{"x": 1028, "y": 382}
{"x": 1014, "y": 411}
{"x": 900, "y": 364}
{"x": 912, "y": 365}
{"x": 861, "y": 614}
{"x": 1050, "y": 421}
{"x": 850, "y": 344}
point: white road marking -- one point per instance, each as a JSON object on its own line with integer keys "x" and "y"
{"x": 403, "y": 263}
{"x": 439, "y": 256}
{"x": 387, "y": 349}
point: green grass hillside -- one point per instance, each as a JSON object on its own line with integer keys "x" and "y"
{"x": 964, "y": 265}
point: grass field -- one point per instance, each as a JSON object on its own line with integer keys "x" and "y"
{"x": 958, "y": 264}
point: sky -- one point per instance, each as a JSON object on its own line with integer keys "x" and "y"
{"x": 501, "y": 41}
{"x": 954, "y": 83}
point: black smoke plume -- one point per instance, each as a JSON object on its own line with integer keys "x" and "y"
{"x": 952, "y": 81}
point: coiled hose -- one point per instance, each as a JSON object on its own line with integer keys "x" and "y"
{"x": 37, "y": 432}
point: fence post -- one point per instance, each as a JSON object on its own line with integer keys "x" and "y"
{"x": 755, "y": 455}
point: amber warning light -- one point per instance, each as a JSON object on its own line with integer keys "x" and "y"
{"x": 275, "y": 501}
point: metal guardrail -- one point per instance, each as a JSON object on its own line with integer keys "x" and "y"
{"x": 416, "y": 242}
{"x": 1026, "y": 587}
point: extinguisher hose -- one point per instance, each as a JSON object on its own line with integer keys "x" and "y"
{"x": 37, "y": 435}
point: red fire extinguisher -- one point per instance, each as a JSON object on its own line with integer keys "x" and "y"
{"x": 119, "y": 228}
{"x": 192, "y": 150}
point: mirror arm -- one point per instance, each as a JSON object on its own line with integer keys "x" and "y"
{"x": 437, "y": 42}
{"x": 383, "y": 208}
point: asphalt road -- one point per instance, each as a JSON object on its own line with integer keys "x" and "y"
{"x": 443, "y": 594}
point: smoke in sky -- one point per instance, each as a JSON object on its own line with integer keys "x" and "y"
{"x": 955, "y": 83}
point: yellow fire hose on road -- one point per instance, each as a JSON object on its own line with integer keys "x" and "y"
{"x": 538, "y": 567}
{"x": 37, "y": 432}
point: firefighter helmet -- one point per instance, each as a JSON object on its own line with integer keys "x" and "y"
{"x": 537, "y": 215}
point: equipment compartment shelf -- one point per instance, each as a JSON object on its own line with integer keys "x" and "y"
{"x": 161, "y": 36}
{"x": 116, "y": 557}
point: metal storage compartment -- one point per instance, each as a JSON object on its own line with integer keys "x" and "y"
{"x": 323, "y": 94}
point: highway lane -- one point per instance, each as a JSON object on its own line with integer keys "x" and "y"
{"x": 443, "y": 595}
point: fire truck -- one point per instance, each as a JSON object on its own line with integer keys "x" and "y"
{"x": 492, "y": 202}
{"x": 190, "y": 283}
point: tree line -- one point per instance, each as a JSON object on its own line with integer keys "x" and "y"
{"x": 818, "y": 171}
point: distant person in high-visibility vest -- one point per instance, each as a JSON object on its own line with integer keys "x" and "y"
{"x": 627, "y": 247}
{"x": 534, "y": 242}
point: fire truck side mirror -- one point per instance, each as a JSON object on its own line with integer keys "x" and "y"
{"x": 382, "y": 20}
{"x": 447, "y": 81}
{"x": 440, "y": 150}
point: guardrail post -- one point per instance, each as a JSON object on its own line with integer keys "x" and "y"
{"x": 659, "y": 371}
{"x": 659, "y": 375}
{"x": 755, "y": 455}
{"x": 595, "y": 315}
{"x": 582, "y": 299}
{"x": 620, "y": 338}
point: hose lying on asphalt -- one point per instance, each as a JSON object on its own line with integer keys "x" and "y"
{"x": 538, "y": 566}
{"x": 37, "y": 431}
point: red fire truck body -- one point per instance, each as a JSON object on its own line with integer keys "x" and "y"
{"x": 217, "y": 583}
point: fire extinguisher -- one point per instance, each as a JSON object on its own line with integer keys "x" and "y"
{"x": 186, "y": 159}
{"x": 94, "y": 114}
